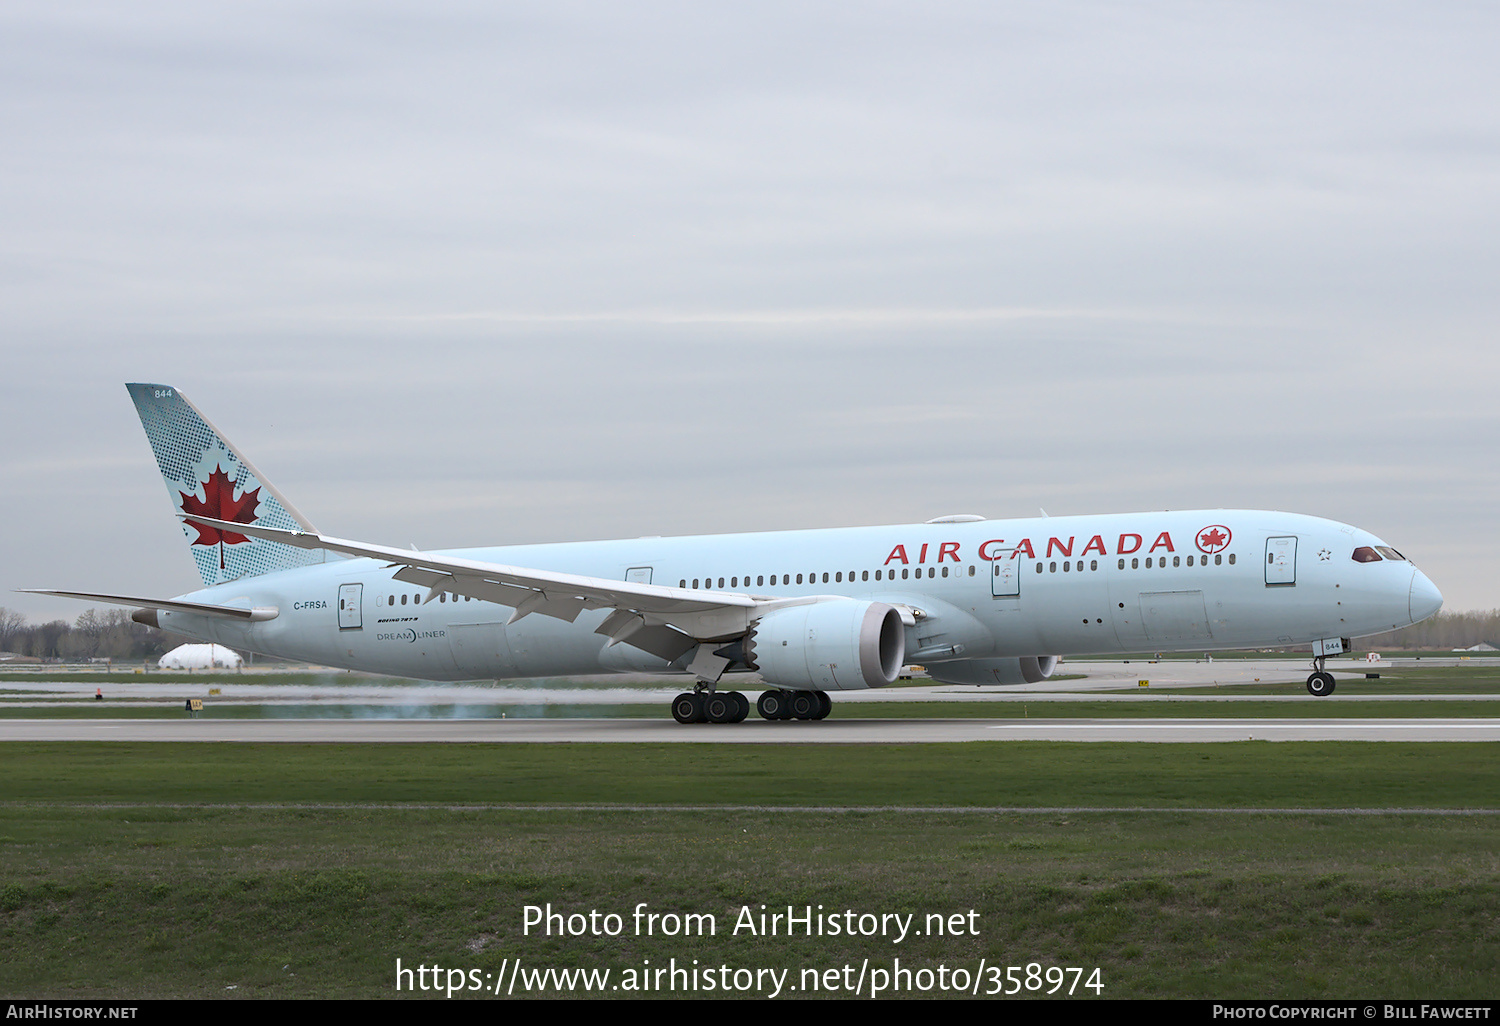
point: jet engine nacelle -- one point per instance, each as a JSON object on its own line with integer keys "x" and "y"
{"x": 1019, "y": 670}
{"x": 837, "y": 645}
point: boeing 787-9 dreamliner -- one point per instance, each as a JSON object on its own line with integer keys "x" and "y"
{"x": 976, "y": 601}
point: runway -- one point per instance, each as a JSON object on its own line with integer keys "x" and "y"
{"x": 362, "y": 709}
{"x": 837, "y": 731}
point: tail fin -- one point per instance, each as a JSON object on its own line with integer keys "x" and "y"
{"x": 207, "y": 476}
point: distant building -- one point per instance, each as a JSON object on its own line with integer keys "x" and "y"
{"x": 200, "y": 657}
{"x": 1483, "y": 646}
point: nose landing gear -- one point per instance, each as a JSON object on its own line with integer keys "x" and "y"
{"x": 1320, "y": 681}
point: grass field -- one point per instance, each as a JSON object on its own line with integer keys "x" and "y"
{"x": 1244, "y": 870}
{"x": 290, "y": 871}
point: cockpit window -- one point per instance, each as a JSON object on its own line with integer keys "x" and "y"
{"x": 1390, "y": 553}
{"x": 1365, "y": 554}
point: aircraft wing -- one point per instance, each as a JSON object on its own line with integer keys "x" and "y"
{"x": 653, "y": 617}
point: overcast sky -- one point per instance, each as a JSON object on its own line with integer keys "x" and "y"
{"x": 458, "y": 274}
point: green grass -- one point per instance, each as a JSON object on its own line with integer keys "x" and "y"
{"x": 168, "y": 870}
{"x": 1025, "y": 773}
{"x": 290, "y": 903}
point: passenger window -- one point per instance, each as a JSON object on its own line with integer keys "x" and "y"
{"x": 971, "y": 569}
{"x": 825, "y": 578}
{"x": 799, "y": 578}
{"x": 1039, "y": 568}
{"x": 1176, "y": 560}
{"x": 760, "y": 581}
{"x": 1218, "y": 560}
{"x": 864, "y": 575}
{"x": 1122, "y": 564}
{"x": 403, "y": 600}
{"x": 1135, "y": 564}
{"x": 945, "y": 571}
{"x": 1231, "y": 559}
{"x": 1093, "y": 564}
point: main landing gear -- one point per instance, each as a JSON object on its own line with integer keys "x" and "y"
{"x": 793, "y": 705}
{"x": 710, "y": 707}
{"x": 1320, "y": 682}
{"x": 733, "y": 707}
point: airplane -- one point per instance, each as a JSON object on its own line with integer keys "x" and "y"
{"x": 975, "y": 601}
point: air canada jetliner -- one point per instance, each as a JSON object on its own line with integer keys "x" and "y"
{"x": 976, "y": 601}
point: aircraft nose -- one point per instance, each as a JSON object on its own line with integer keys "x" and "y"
{"x": 1425, "y": 598}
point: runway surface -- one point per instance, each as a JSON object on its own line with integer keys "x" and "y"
{"x": 1102, "y": 681}
{"x": 845, "y": 731}
{"x": 347, "y": 708}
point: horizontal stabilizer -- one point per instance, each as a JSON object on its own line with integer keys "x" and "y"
{"x": 256, "y": 614}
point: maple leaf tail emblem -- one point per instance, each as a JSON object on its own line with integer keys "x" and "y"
{"x": 219, "y": 503}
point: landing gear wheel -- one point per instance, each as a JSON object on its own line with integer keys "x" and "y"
{"x": 742, "y": 707}
{"x": 1320, "y": 684}
{"x": 720, "y": 707}
{"x": 773, "y": 705}
{"x": 688, "y": 708}
{"x": 805, "y": 705}
{"x": 825, "y": 705}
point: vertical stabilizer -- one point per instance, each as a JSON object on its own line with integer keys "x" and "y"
{"x": 205, "y": 475}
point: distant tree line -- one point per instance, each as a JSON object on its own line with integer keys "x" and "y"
{"x": 94, "y": 635}
{"x": 1445, "y": 631}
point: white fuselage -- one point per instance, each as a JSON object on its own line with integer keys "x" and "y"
{"x": 1184, "y": 581}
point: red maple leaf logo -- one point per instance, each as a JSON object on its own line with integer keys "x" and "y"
{"x": 219, "y": 503}
{"x": 1212, "y": 539}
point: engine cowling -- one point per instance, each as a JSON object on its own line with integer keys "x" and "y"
{"x": 836, "y": 645}
{"x": 1016, "y": 670}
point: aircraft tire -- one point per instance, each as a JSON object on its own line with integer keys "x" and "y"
{"x": 721, "y": 707}
{"x": 805, "y": 705}
{"x": 1320, "y": 684}
{"x": 825, "y": 705}
{"x": 688, "y": 708}
{"x": 742, "y": 707}
{"x": 772, "y": 705}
